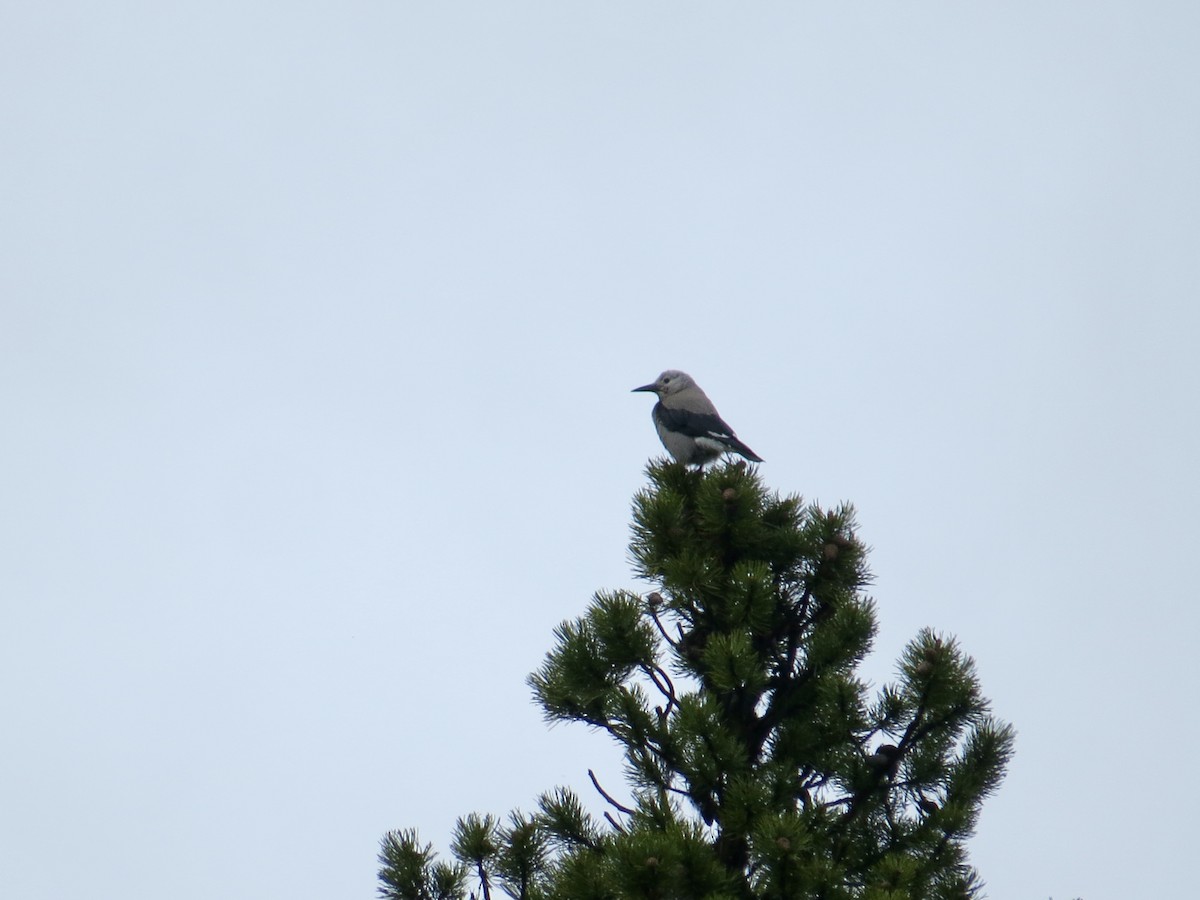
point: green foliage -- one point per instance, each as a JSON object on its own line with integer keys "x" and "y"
{"x": 408, "y": 871}
{"x": 760, "y": 766}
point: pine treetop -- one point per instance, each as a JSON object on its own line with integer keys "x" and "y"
{"x": 759, "y": 764}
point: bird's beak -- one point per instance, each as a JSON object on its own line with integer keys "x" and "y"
{"x": 648, "y": 388}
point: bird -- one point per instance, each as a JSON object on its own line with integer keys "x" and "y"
{"x": 687, "y": 422}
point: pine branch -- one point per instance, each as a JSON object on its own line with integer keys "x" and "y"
{"x": 665, "y": 686}
{"x": 607, "y": 796}
{"x": 653, "y": 602}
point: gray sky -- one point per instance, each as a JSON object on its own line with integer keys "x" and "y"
{"x": 317, "y": 328}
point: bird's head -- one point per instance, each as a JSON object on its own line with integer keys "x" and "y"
{"x": 669, "y": 382}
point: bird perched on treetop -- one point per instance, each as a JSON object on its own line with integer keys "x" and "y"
{"x": 687, "y": 422}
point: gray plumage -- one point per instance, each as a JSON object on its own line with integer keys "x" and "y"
{"x": 687, "y": 422}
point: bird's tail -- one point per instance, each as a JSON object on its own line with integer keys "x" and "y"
{"x": 742, "y": 450}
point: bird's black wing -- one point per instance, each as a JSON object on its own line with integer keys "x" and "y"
{"x": 693, "y": 424}
{"x": 703, "y": 425}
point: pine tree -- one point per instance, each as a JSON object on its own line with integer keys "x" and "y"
{"x": 759, "y": 765}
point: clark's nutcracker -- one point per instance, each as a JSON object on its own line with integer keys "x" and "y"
{"x": 687, "y": 422}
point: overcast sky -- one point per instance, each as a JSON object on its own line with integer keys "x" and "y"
{"x": 318, "y": 323}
